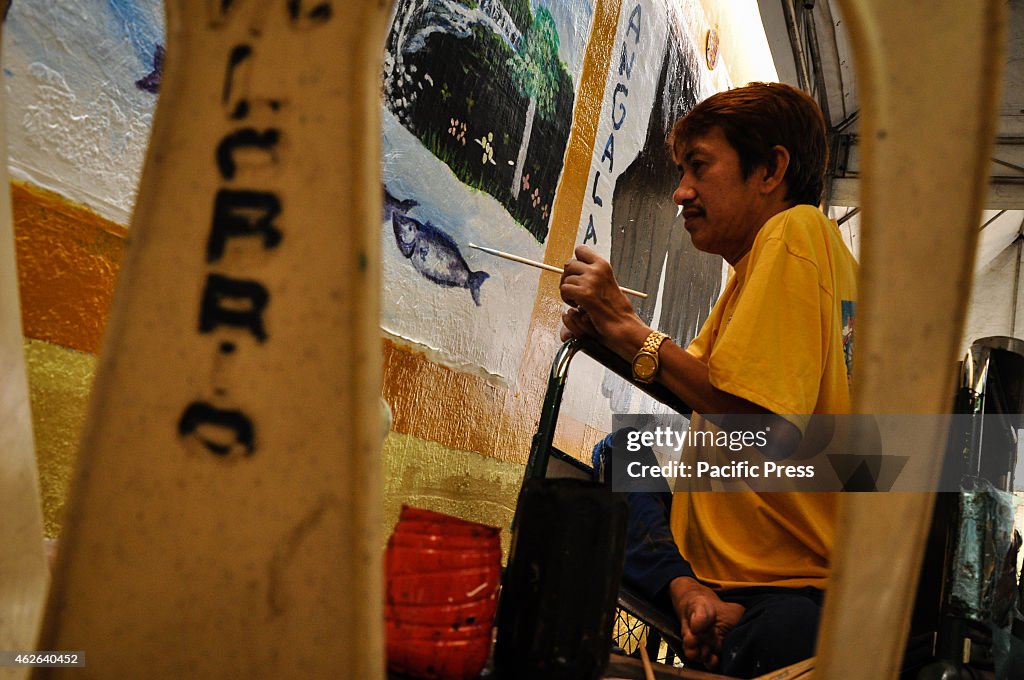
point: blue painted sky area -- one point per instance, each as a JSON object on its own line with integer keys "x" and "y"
{"x": 142, "y": 22}
{"x": 89, "y": 41}
{"x": 573, "y": 19}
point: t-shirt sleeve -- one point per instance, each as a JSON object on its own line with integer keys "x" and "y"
{"x": 770, "y": 350}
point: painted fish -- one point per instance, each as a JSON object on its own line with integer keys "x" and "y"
{"x": 435, "y": 255}
{"x": 393, "y": 206}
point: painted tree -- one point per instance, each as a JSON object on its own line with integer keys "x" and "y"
{"x": 535, "y": 69}
{"x": 413, "y": 23}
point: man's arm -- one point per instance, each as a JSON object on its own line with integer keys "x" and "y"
{"x": 597, "y": 308}
{"x": 652, "y": 558}
{"x": 654, "y": 566}
{"x": 656, "y": 569}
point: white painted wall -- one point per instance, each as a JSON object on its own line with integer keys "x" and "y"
{"x": 994, "y": 298}
{"x": 77, "y": 123}
{"x": 996, "y": 306}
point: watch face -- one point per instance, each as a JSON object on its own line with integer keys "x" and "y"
{"x": 644, "y": 366}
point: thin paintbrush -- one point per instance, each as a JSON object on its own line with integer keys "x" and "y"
{"x": 541, "y": 265}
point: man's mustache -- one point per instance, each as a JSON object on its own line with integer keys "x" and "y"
{"x": 688, "y": 210}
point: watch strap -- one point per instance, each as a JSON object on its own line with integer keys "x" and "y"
{"x": 653, "y": 342}
{"x": 649, "y": 349}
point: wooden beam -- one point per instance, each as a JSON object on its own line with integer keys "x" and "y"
{"x": 23, "y": 572}
{"x": 925, "y": 158}
{"x": 225, "y": 514}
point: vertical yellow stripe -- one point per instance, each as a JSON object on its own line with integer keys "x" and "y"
{"x": 572, "y": 188}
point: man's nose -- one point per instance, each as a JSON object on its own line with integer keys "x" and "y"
{"x": 684, "y": 192}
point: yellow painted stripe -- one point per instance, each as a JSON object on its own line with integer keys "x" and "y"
{"x": 59, "y": 382}
{"x": 461, "y": 483}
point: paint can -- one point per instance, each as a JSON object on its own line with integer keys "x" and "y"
{"x": 442, "y": 578}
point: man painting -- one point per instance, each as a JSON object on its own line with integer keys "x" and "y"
{"x": 744, "y": 572}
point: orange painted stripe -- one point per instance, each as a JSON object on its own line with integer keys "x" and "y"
{"x": 458, "y": 410}
{"x": 68, "y": 259}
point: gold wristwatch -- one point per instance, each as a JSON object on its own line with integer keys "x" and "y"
{"x": 646, "y": 362}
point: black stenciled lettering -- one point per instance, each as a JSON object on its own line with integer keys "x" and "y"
{"x": 217, "y": 11}
{"x": 220, "y": 431}
{"x": 238, "y": 55}
{"x": 634, "y": 23}
{"x": 233, "y": 302}
{"x": 317, "y": 14}
{"x": 235, "y": 93}
{"x": 243, "y": 213}
{"x": 243, "y": 107}
{"x": 593, "y": 191}
{"x": 245, "y": 138}
{"x": 619, "y": 87}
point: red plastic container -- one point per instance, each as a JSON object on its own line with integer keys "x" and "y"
{"x": 442, "y": 576}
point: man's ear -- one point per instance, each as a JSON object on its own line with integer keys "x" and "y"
{"x": 775, "y": 173}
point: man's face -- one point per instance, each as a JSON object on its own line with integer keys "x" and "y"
{"x": 722, "y": 211}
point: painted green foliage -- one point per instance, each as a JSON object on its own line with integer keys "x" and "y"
{"x": 482, "y": 87}
{"x": 535, "y": 71}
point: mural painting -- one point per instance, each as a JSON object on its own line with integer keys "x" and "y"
{"x": 478, "y": 102}
{"x": 478, "y": 99}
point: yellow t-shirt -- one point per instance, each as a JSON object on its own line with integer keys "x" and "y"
{"x": 780, "y": 336}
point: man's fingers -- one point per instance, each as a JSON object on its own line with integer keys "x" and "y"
{"x": 576, "y": 324}
{"x": 700, "y": 640}
{"x": 586, "y": 254}
{"x": 702, "y": 619}
{"x": 695, "y": 650}
{"x": 573, "y": 267}
{"x": 571, "y": 292}
{"x": 691, "y": 647}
